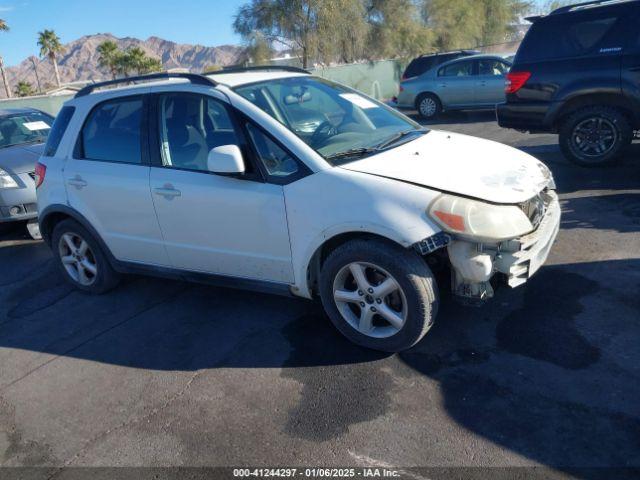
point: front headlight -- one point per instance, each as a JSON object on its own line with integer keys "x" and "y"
{"x": 479, "y": 221}
{"x": 6, "y": 180}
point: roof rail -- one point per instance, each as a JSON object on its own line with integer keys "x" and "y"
{"x": 259, "y": 68}
{"x": 593, "y": 3}
{"x": 192, "y": 77}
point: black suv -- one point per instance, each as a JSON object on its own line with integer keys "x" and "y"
{"x": 421, "y": 64}
{"x": 577, "y": 73}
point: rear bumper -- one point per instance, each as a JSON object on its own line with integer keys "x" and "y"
{"x": 524, "y": 116}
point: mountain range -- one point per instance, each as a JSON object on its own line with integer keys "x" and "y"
{"x": 80, "y": 59}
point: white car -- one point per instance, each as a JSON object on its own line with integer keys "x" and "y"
{"x": 276, "y": 180}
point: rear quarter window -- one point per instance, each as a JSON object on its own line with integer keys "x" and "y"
{"x": 565, "y": 37}
{"x": 60, "y": 125}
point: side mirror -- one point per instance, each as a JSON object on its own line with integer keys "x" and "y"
{"x": 225, "y": 159}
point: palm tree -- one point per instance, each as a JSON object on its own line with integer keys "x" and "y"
{"x": 50, "y": 46}
{"x": 24, "y": 89}
{"x": 109, "y": 55}
{"x": 4, "y": 28}
{"x": 137, "y": 59}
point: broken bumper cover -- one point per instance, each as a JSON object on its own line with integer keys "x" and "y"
{"x": 520, "y": 258}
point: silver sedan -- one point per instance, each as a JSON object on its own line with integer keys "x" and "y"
{"x": 468, "y": 83}
{"x": 22, "y": 135}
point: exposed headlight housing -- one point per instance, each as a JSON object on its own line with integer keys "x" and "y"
{"x": 479, "y": 221}
{"x": 6, "y": 180}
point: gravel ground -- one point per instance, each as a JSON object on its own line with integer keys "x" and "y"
{"x": 164, "y": 373}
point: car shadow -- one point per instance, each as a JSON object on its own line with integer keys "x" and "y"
{"x": 539, "y": 371}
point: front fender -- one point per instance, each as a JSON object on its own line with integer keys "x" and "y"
{"x": 346, "y": 201}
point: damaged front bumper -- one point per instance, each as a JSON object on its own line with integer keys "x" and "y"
{"x": 475, "y": 264}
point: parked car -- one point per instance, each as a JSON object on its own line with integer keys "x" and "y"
{"x": 468, "y": 83}
{"x": 280, "y": 181}
{"x": 23, "y": 132}
{"x": 424, "y": 63}
{"x": 577, "y": 73}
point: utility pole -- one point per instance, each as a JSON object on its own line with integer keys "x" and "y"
{"x": 4, "y": 78}
{"x": 35, "y": 69}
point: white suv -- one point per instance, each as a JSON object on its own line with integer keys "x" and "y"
{"x": 276, "y": 180}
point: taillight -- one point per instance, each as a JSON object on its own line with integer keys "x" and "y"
{"x": 41, "y": 171}
{"x": 515, "y": 81}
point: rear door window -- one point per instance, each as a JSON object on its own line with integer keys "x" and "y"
{"x": 565, "y": 37}
{"x": 60, "y": 125}
{"x": 457, "y": 69}
{"x": 112, "y": 132}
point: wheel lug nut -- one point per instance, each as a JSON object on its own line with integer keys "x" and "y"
{"x": 370, "y": 290}
{"x": 360, "y": 292}
{"x": 373, "y": 309}
{"x": 378, "y": 300}
{"x": 362, "y": 304}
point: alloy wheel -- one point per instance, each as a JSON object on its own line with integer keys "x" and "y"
{"x": 594, "y": 138}
{"x": 370, "y": 299}
{"x": 78, "y": 259}
{"x": 428, "y": 107}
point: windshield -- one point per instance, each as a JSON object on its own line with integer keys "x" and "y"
{"x": 335, "y": 121}
{"x": 18, "y": 129}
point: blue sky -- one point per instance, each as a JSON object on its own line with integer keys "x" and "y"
{"x": 205, "y": 22}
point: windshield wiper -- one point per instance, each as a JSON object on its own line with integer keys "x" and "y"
{"x": 353, "y": 152}
{"x": 399, "y": 136}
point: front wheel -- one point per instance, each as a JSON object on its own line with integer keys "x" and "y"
{"x": 595, "y": 136}
{"x": 379, "y": 295}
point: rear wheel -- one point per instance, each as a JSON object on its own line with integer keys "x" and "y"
{"x": 80, "y": 258}
{"x": 428, "y": 106}
{"x": 595, "y": 136}
{"x": 379, "y": 295}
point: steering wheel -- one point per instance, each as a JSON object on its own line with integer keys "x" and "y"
{"x": 325, "y": 130}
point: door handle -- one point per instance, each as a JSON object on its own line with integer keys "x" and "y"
{"x": 167, "y": 191}
{"x": 77, "y": 182}
{"x": 443, "y": 85}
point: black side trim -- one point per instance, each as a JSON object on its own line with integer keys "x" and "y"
{"x": 261, "y": 286}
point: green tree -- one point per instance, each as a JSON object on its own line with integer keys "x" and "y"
{"x": 342, "y": 31}
{"x": 397, "y": 29}
{"x": 135, "y": 59}
{"x": 108, "y": 56}
{"x": 50, "y": 47}
{"x": 211, "y": 68}
{"x": 258, "y": 50}
{"x": 24, "y": 89}
{"x": 292, "y": 23}
{"x": 465, "y": 24}
{"x": 4, "y": 28}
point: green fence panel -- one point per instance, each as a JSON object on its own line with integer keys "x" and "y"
{"x": 376, "y": 79}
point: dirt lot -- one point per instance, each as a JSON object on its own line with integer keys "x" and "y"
{"x": 163, "y": 373}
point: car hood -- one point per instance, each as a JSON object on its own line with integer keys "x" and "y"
{"x": 20, "y": 158}
{"x": 463, "y": 165}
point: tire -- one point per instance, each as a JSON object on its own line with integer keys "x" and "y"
{"x": 611, "y": 132}
{"x": 428, "y": 106}
{"x": 416, "y": 290}
{"x": 105, "y": 277}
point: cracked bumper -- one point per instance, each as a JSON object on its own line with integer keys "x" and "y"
{"x": 519, "y": 259}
